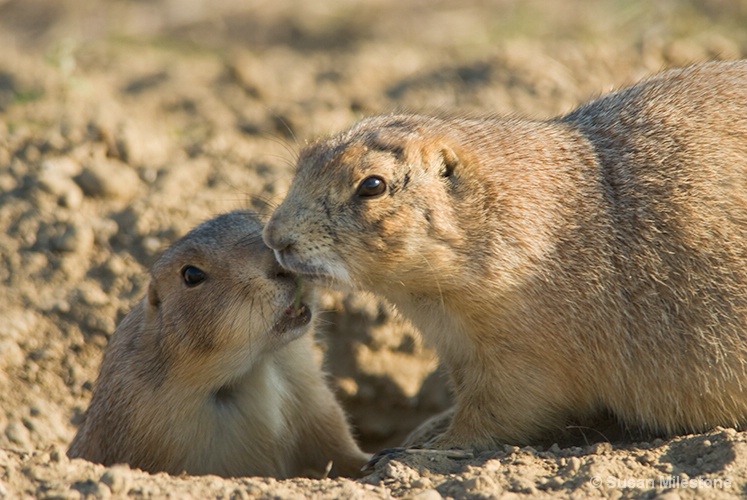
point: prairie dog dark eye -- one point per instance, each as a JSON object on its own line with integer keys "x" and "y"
{"x": 193, "y": 276}
{"x": 370, "y": 187}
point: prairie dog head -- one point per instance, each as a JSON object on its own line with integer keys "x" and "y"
{"x": 372, "y": 207}
{"x": 218, "y": 298}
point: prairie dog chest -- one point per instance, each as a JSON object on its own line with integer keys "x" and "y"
{"x": 258, "y": 401}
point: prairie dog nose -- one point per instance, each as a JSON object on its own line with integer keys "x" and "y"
{"x": 274, "y": 237}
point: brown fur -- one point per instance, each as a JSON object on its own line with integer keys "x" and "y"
{"x": 205, "y": 379}
{"x": 592, "y": 263}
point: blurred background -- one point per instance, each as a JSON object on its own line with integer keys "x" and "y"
{"x": 470, "y": 27}
{"x": 123, "y": 123}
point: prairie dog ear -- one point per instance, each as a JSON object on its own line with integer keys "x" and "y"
{"x": 450, "y": 161}
{"x": 153, "y": 298}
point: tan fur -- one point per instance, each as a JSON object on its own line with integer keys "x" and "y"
{"x": 596, "y": 262}
{"x": 205, "y": 379}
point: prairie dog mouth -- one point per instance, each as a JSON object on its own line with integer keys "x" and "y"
{"x": 297, "y": 314}
{"x": 293, "y": 317}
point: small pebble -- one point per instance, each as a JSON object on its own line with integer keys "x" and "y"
{"x": 523, "y": 485}
{"x": 99, "y": 491}
{"x": 77, "y": 237}
{"x": 666, "y": 468}
{"x": 7, "y": 182}
{"x": 729, "y": 432}
{"x": 116, "y": 265}
{"x": 574, "y": 464}
{"x": 72, "y": 198}
{"x": 18, "y": 434}
{"x": 152, "y": 245}
{"x": 68, "y": 193}
{"x": 57, "y": 455}
{"x": 425, "y": 495}
{"x": 61, "y": 306}
{"x": 478, "y": 483}
{"x": 555, "y": 483}
{"x": 12, "y": 354}
{"x": 103, "y": 230}
{"x": 108, "y": 178}
{"x": 62, "y": 166}
{"x": 601, "y": 448}
{"x": 669, "y": 495}
{"x": 90, "y": 294}
{"x": 59, "y": 493}
{"x": 116, "y": 479}
{"x": 647, "y": 458}
{"x": 32, "y": 153}
{"x": 421, "y": 483}
{"x": 17, "y": 324}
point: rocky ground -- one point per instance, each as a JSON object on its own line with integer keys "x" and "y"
{"x": 125, "y": 123}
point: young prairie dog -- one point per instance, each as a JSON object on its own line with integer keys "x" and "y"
{"x": 213, "y": 372}
{"x": 596, "y": 262}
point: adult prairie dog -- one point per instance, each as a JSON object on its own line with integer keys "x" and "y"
{"x": 596, "y": 262}
{"x": 213, "y": 372}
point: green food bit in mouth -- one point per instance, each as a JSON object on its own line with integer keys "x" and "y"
{"x": 299, "y": 292}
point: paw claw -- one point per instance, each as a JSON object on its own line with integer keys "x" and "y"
{"x": 388, "y": 453}
{"x": 378, "y": 456}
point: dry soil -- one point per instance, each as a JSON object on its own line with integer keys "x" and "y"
{"x": 125, "y": 123}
